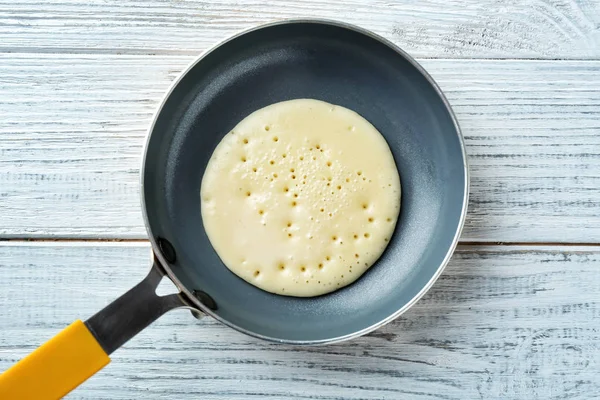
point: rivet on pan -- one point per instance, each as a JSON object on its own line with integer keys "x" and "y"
{"x": 197, "y": 314}
{"x": 167, "y": 250}
{"x": 205, "y": 299}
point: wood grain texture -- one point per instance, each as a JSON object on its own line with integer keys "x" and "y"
{"x": 429, "y": 28}
{"x": 502, "y": 322}
{"x": 72, "y": 129}
{"x": 79, "y": 82}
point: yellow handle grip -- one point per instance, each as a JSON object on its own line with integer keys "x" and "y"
{"x": 56, "y": 367}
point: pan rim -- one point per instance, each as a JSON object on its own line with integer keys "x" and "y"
{"x": 195, "y": 302}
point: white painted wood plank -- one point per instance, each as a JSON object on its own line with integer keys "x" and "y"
{"x": 72, "y": 129}
{"x": 71, "y": 135}
{"x": 502, "y": 322}
{"x": 429, "y": 28}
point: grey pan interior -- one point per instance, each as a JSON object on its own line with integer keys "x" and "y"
{"x": 340, "y": 65}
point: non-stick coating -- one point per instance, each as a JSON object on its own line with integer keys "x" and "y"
{"x": 341, "y": 66}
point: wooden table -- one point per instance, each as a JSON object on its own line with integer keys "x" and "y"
{"x": 516, "y": 315}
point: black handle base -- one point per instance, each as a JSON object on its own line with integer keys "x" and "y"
{"x": 125, "y": 317}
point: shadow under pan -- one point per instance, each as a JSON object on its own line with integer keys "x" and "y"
{"x": 341, "y": 66}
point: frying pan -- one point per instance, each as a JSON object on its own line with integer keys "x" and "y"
{"x": 324, "y": 60}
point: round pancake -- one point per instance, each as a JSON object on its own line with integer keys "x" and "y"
{"x": 301, "y": 197}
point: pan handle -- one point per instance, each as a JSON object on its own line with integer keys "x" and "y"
{"x": 82, "y": 349}
{"x": 135, "y": 310}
